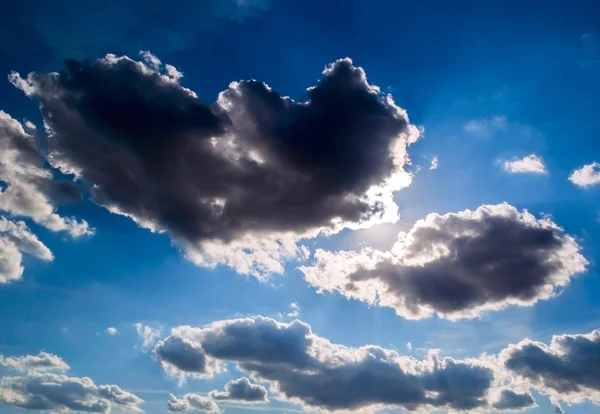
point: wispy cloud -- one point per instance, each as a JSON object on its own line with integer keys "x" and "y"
{"x": 485, "y": 127}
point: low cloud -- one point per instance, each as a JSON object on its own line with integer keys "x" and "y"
{"x": 586, "y": 176}
{"x": 192, "y": 402}
{"x": 456, "y": 265}
{"x": 46, "y": 391}
{"x": 529, "y": 164}
{"x": 241, "y": 390}
{"x": 256, "y": 171}
{"x": 43, "y": 362}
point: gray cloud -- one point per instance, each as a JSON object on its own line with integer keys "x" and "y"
{"x": 42, "y": 362}
{"x": 566, "y": 370}
{"x": 511, "y": 400}
{"x": 47, "y": 391}
{"x": 30, "y": 190}
{"x": 192, "y": 402}
{"x": 241, "y": 390}
{"x": 456, "y": 265}
{"x": 254, "y": 171}
{"x": 303, "y": 367}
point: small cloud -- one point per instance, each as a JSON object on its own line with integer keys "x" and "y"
{"x": 148, "y": 334}
{"x": 30, "y": 125}
{"x": 294, "y": 310}
{"x": 586, "y": 176}
{"x": 434, "y": 163}
{"x": 409, "y": 346}
{"x": 112, "y": 331}
{"x": 529, "y": 164}
{"x": 485, "y": 127}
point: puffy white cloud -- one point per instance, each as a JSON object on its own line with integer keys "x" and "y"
{"x": 42, "y": 362}
{"x": 15, "y": 239}
{"x": 148, "y": 334}
{"x": 192, "y": 402}
{"x": 529, "y": 164}
{"x": 257, "y": 171}
{"x": 111, "y": 330}
{"x": 586, "y": 176}
{"x": 456, "y": 265}
{"x": 241, "y": 390}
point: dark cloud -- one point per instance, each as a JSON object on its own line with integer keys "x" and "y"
{"x": 306, "y": 368}
{"x": 511, "y": 400}
{"x": 60, "y": 393}
{"x": 457, "y": 265}
{"x": 192, "y": 402}
{"x": 565, "y": 370}
{"x": 253, "y": 166}
{"x": 241, "y": 390}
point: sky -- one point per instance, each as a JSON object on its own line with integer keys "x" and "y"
{"x": 285, "y": 206}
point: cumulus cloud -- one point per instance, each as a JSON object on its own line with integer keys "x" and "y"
{"x": 302, "y": 367}
{"x": 456, "y": 265}
{"x": 586, "y": 176}
{"x": 113, "y": 331}
{"x": 192, "y": 402}
{"x": 529, "y": 164}
{"x": 15, "y": 239}
{"x": 513, "y": 401}
{"x": 31, "y": 190}
{"x": 255, "y": 171}
{"x": 42, "y": 362}
{"x": 47, "y": 391}
{"x": 148, "y": 334}
{"x": 241, "y": 390}
{"x": 485, "y": 127}
{"x": 566, "y": 370}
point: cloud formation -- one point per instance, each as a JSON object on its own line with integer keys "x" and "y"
{"x": 16, "y": 239}
{"x": 456, "y": 265}
{"x": 31, "y": 190}
{"x": 255, "y": 171}
{"x": 586, "y": 176}
{"x": 192, "y": 402}
{"x": 42, "y": 362}
{"x": 46, "y": 391}
{"x": 513, "y": 401}
{"x": 529, "y": 164}
{"x": 241, "y": 390}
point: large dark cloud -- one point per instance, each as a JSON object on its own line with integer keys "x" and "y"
{"x": 457, "y": 265}
{"x": 567, "y": 369}
{"x": 241, "y": 390}
{"x": 303, "y": 367}
{"x": 252, "y": 168}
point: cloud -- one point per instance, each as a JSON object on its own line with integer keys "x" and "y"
{"x": 586, "y": 176}
{"x": 566, "y": 370}
{"x": 456, "y": 265}
{"x": 304, "y": 368}
{"x": 256, "y": 171}
{"x": 192, "y": 402}
{"x": 434, "y": 163}
{"x": 148, "y": 334}
{"x": 485, "y": 127}
{"x": 511, "y": 400}
{"x": 529, "y": 164}
{"x": 46, "y": 391}
{"x": 241, "y": 390}
{"x": 31, "y": 190}
{"x": 42, "y": 362}
{"x": 15, "y": 239}
{"x": 294, "y": 310}
{"x": 113, "y": 331}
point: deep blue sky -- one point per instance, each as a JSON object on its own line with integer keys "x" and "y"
{"x": 532, "y": 66}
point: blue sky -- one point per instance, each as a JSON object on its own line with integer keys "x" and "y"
{"x": 505, "y": 96}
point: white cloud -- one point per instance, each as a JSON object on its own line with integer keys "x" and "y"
{"x": 586, "y": 176}
{"x": 456, "y": 265}
{"x": 485, "y": 127}
{"x": 192, "y": 402}
{"x": 434, "y": 163}
{"x": 30, "y": 125}
{"x": 529, "y": 164}
{"x": 15, "y": 239}
{"x": 294, "y": 310}
{"x": 148, "y": 334}
{"x": 113, "y": 331}
{"x": 42, "y": 362}
{"x": 409, "y": 346}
